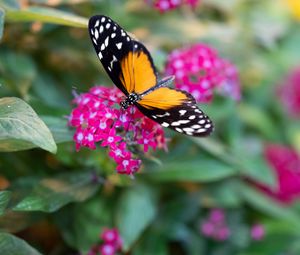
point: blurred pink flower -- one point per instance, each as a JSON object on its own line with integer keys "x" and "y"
{"x": 107, "y": 249}
{"x": 215, "y": 226}
{"x": 199, "y": 70}
{"x": 289, "y": 93}
{"x": 285, "y": 163}
{"x": 110, "y": 245}
{"x": 99, "y": 120}
{"x": 167, "y": 5}
{"x": 257, "y": 232}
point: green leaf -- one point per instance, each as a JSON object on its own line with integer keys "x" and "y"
{"x": 250, "y": 165}
{"x": 53, "y": 193}
{"x": 59, "y": 129}
{"x": 10, "y": 4}
{"x": 268, "y": 206}
{"x": 2, "y": 14}
{"x": 48, "y": 15}
{"x": 258, "y": 119}
{"x": 4, "y": 198}
{"x": 191, "y": 170}
{"x": 21, "y": 128}
{"x": 12, "y": 245}
{"x": 136, "y": 210}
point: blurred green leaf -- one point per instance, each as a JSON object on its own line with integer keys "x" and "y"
{"x": 4, "y": 199}
{"x": 265, "y": 204}
{"x": 12, "y": 245}
{"x": 21, "y": 128}
{"x": 136, "y": 210}
{"x": 81, "y": 224}
{"x": 2, "y": 14}
{"x": 19, "y": 70}
{"x": 10, "y": 4}
{"x": 48, "y": 15}
{"x": 258, "y": 119}
{"x": 52, "y": 193}
{"x": 14, "y": 222}
{"x": 249, "y": 165}
{"x": 59, "y": 129}
{"x": 191, "y": 170}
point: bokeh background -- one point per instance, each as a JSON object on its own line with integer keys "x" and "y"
{"x": 235, "y": 192}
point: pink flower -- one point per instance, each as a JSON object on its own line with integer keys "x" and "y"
{"x": 107, "y": 249}
{"x": 110, "y": 139}
{"x": 199, "y": 70}
{"x": 285, "y": 163}
{"x": 167, "y": 5}
{"x": 217, "y": 216}
{"x": 215, "y": 226}
{"x": 222, "y": 233}
{"x": 127, "y": 165}
{"x": 289, "y": 93}
{"x": 110, "y": 245}
{"x": 207, "y": 228}
{"x": 112, "y": 236}
{"x": 98, "y": 120}
{"x": 257, "y": 232}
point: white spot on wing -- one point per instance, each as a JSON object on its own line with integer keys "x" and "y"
{"x": 183, "y": 121}
{"x": 201, "y": 130}
{"x": 196, "y": 126}
{"x": 165, "y": 124}
{"x": 127, "y": 38}
{"x": 201, "y": 121}
{"x": 182, "y": 112}
{"x": 188, "y": 129}
{"x": 192, "y": 117}
{"x": 100, "y": 55}
{"x": 207, "y": 126}
{"x": 96, "y": 34}
{"x": 119, "y": 45}
{"x": 101, "y": 29}
{"x": 103, "y": 19}
{"x": 95, "y": 42}
{"x": 178, "y": 130}
{"x": 97, "y": 23}
{"x": 175, "y": 123}
{"x": 113, "y": 35}
{"x": 102, "y": 46}
{"x": 109, "y": 68}
{"x": 107, "y": 26}
{"x": 92, "y": 31}
{"x": 106, "y": 41}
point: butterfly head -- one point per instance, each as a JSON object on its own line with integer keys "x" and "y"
{"x": 130, "y": 100}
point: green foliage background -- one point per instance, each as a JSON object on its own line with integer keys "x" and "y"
{"x": 54, "y": 198}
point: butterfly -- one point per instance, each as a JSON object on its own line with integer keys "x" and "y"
{"x": 130, "y": 66}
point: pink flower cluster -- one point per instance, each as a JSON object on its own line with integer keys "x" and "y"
{"x": 215, "y": 226}
{"x": 167, "y": 5}
{"x": 98, "y": 119}
{"x": 285, "y": 163}
{"x": 289, "y": 93}
{"x": 111, "y": 243}
{"x": 199, "y": 70}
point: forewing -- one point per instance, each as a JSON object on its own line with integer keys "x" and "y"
{"x": 127, "y": 62}
{"x": 177, "y": 110}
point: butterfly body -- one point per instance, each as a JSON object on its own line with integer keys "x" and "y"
{"x": 130, "y": 66}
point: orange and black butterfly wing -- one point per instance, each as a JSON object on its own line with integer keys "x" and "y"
{"x": 177, "y": 110}
{"x": 129, "y": 65}
{"x": 127, "y": 62}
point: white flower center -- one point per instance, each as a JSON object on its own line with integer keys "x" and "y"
{"x": 79, "y": 137}
{"x": 125, "y": 162}
{"x": 110, "y": 139}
